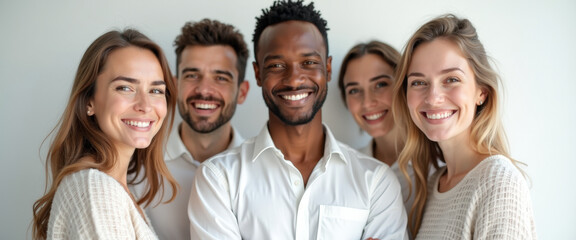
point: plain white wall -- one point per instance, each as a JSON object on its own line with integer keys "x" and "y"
{"x": 532, "y": 43}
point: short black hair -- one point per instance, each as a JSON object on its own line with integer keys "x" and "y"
{"x": 282, "y": 11}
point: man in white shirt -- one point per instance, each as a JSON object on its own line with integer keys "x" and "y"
{"x": 211, "y": 62}
{"x": 294, "y": 180}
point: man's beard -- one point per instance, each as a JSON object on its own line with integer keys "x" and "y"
{"x": 303, "y": 118}
{"x": 202, "y": 125}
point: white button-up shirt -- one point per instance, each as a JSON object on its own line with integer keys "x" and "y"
{"x": 253, "y": 192}
{"x": 170, "y": 221}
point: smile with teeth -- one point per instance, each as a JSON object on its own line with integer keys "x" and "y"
{"x": 205, "y": 105}
{"x": 374, "y": 116}
{"x": 440, "y": 115}
{"x": 137, "y": 123}
{"x": 295, "y": 97}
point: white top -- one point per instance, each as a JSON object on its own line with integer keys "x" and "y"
{"x": 252, "y": 192}
{"x": 90, "y": 204}
{"x": 170, "y": 221}
{"x": 491, "y": 202}
{"x": 396, "y": 169}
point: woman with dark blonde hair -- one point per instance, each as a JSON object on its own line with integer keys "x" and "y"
{"x": 449, "y": 91}
{"x": 113, "y": 127}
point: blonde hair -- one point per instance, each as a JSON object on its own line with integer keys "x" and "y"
{"x": 487, "y": 132}
{"x": 78, "y": 135}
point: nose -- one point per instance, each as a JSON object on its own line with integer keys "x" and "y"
{"x": 142, "y": 102}
{"x": 294, "y": 76}
{"x": 434, "y": 95}
{"x": 369, "y": 99}
{"x": 204, "y": 88}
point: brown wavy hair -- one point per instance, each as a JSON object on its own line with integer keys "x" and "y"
{"x": 487, "y": 132}
{"x": 77, "y": 135}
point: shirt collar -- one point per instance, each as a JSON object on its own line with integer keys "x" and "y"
{"x": 175, "y": 148}
{"x": 263, "y": 142}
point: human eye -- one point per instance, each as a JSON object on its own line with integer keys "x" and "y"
{"x": 452, "y": 80}
{"x": 417, "y": 83}
{"x": 222, "y": 78}
{"x": 381, "y": 84}
{"x": 352, "y": 91}
{"x": 123, "y": 88}
{"x": 310, "y": 62}
{"x": 274, "y": 66}
{"x": 191, "y": 76}
{"x": 160, "y": 91}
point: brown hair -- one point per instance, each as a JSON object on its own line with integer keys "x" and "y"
{"x": 383, "y": 50}
{"x": 212, "y": 32}
{"x": 78, "y": 135}
{"x": 487, "y": 132}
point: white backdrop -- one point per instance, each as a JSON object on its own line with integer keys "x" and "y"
{"x": 532, "y": 42}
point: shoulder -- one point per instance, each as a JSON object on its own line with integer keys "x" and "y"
{"x": 88, "y": 185}
{"x": 356, "y": 157}
{"x": 498, "y": 167}
{"x": 498, "y": 175}
{"x": 229, "y": 160}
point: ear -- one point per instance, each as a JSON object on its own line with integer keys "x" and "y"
{"x": 90, "y": 108}
{"x": 482, "y": 97}
{"x": 257, "y": 73}
{"x": 329, "y": 68}
{"x": 243, "y": 92}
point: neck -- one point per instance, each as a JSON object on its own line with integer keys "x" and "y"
{"x": 460, "y": 158}
{"x": 303, "y": 145}
{"x": 205, "y": 145}
{"x": 387, "y": 148}
{"x": 120, "y": 170}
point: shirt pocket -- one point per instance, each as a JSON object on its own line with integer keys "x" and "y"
{"x": 337, "y": 222}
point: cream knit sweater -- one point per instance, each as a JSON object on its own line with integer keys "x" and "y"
{"x": 90, "y": 204}
{"x": 491, "y": 202}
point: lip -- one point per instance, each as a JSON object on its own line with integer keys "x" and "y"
{"x": 374, "y": 117}
{"x": 142, "y": 125}
{"x": 203, "y": 107}
{"x": 295, "y": 98}
{"x": 438, "y": 116}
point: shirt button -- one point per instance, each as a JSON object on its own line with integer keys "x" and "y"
{"x": 297, "y": 182}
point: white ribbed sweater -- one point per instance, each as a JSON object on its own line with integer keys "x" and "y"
{"x": 491, "y": 202}
{"x": 90, "y": 204}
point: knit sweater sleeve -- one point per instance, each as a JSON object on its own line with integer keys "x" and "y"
{"x": 505, "y": 211}
{"x": 91, "y": 205}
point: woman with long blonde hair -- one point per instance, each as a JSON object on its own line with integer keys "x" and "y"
{"x": 448, "y": 94}
{"x": 119, "y": 111}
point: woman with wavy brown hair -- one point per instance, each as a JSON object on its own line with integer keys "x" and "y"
{"x": 120, "y": 108}
{"x": 449, "y": 95}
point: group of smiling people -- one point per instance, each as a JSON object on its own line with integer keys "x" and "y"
{"x": 437, "y": 167}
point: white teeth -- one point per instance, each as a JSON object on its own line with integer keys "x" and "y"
{"x": 205, "y": 106}
{"x": 374, "y": 116}
{"x": 295, "y": 97}
{"x": 138, "y": 124}
{"x": 439, "y": 115}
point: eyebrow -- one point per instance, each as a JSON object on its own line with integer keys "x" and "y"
{"x": 380, "y": 77}
{"x": 454, "y": 69}
{"x": 227, "y": 73}
{"x": 350, "y": 84}
{"x": 309, "y": 54}
{"x": 136, "y": 81}
{"x": 188, "y": 69}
